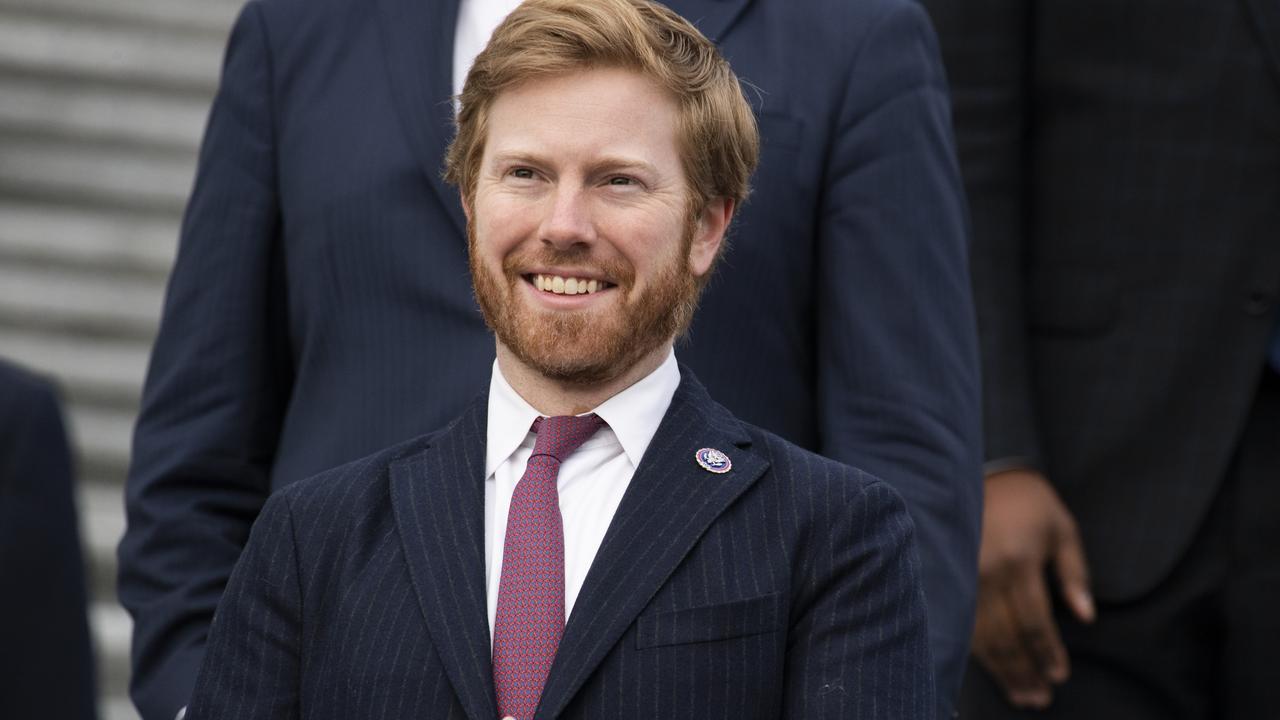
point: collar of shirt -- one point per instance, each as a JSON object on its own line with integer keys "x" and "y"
{"x": 633, "y": 415}
{"x": 477, "y": 19}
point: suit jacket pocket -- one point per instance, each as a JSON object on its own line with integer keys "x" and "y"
{"x": 740, "y": 618}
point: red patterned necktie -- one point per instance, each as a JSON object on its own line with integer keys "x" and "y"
{"x": 530, "y": 616}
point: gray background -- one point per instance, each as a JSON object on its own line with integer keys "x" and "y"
{"x": 102, "y": 104}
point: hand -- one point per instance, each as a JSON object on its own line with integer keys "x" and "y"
{"x": 1025, "y": 528}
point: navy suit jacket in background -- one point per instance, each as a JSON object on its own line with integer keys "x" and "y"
{"x": 787, "y": 587}
{"x": 46, "y": 664}
{"x": 1123, "y": 161}
{"x": 320, "y": 308}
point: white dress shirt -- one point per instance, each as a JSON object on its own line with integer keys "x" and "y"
{"x": 591, "y": 481}
{"x": 477, "y": 19}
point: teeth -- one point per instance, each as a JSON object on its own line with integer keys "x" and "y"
{"x": 567, "y": 286}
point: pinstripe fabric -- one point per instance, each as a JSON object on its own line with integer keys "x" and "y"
{"x": 320, "y": 308}
{"x": 787, "y": 588}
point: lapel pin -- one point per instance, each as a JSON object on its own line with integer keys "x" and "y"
{"x": 713, "y": 460}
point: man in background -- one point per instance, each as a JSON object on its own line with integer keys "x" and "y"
{"x": 1123, "y": 165}
{"x": 705, "y": 568}
{"x": 319, "y": 308}
{"x": 46, "y": 664}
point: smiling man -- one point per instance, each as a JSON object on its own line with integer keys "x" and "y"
{"x": 594, "y": 537}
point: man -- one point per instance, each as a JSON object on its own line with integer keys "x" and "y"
{"x": 319, "y": 308}
{"x": 46, "y": 668}
{"x": 705, "y": 567}
{"x": 1124, "y": 172}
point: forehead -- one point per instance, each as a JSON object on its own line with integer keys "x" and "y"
{"x": 588, "y": 112}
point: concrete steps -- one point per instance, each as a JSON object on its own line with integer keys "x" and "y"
{"x": 74, "y": 109}
{"x": 179, "y": 17}
{"x": 148, "y": 179}
{"x": 127, "y": 244}
{"x": 109, "y": 44}
{"x": 102, "y": 105}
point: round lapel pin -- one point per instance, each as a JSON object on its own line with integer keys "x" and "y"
{"x": 713, "y": 460}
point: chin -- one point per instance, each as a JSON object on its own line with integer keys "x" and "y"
{"x": 596, "y": 361}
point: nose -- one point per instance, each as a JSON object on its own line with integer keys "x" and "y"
{"x": 568, "y": 220}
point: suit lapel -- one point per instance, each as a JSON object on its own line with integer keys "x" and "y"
{"x": 418, "y": 45}
{"x": 1265, "y": 15}
{"x": 712, "y": 17}
{"x": 669, "y": 504}
{"x": 438, "y": 500}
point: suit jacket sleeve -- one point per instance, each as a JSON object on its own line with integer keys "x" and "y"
{"x": 898, "y": 368}
{"x": 251, "y": 669}
{"x": 861, "y": 647}
{"x": 215, "y": 391}
{"x": 986, "y": 46}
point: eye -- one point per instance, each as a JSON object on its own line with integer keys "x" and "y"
{"x": 522, "y": 173}
{"x": 621, "y": 180}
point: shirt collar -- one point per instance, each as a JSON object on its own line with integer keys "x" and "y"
{"x": 633, "y": 414}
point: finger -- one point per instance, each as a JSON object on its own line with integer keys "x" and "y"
{"x": 1033, "y": 614}
{"x": 997, "y": 647}
{"x": 1073, "y": 573}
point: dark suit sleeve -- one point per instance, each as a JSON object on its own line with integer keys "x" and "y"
{"x": 252, "y": 663}
{"x": 898, "y": 367}
{"x": 986, "y": 47}
{"x": 46, "y": 667}
{"x": 215, "y": 391}
{"x": 860, "y": 647}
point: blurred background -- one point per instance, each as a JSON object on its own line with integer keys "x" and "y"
{"x": 102, "y": 104}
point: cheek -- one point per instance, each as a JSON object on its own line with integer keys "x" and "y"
{"x": 502, "y": 218}
{"x": 657, "y": 246}
{"x": 499, "y": 230}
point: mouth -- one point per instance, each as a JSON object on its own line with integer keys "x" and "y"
{"x": 566, "y": 284}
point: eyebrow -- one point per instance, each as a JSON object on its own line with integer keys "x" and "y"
{"x": 605, "y": 164}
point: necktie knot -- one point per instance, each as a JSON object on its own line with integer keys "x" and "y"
{"x": 560, "y": 435}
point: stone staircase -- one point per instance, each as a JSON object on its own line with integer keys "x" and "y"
{"x": 102, "y": 103}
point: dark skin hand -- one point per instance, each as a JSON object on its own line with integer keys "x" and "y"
{"x": 1026, "y": 529}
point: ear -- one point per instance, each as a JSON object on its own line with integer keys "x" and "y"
{"x": 709, "y": 235}
{"x": 466, "y": 206}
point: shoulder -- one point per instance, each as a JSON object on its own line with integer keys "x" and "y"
{"x": 28, "y": 404}
{"x": 846, "y": 24}
{"x": 868, "y": 12}
{"x": 333, "y": 519}
{"x": 869, "y": 51}
{"x": 342, "y": 490}
{"x": 21, "y": 388}
{"x": 304, "y": 22}
{"x": 824, "y": 483}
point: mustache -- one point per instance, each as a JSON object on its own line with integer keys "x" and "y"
{"x": 618, "y": 272}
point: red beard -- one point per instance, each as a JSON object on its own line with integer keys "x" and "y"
{"x": 586, "y": 347}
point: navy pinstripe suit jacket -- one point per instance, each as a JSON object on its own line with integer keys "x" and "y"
{"x": 320, "y": 308}
{"x": 787, "y": 587}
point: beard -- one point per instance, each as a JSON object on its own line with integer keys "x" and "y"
{"x": 586, "y": 347}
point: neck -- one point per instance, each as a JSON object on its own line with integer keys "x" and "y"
{"x": 552, "y": 397}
